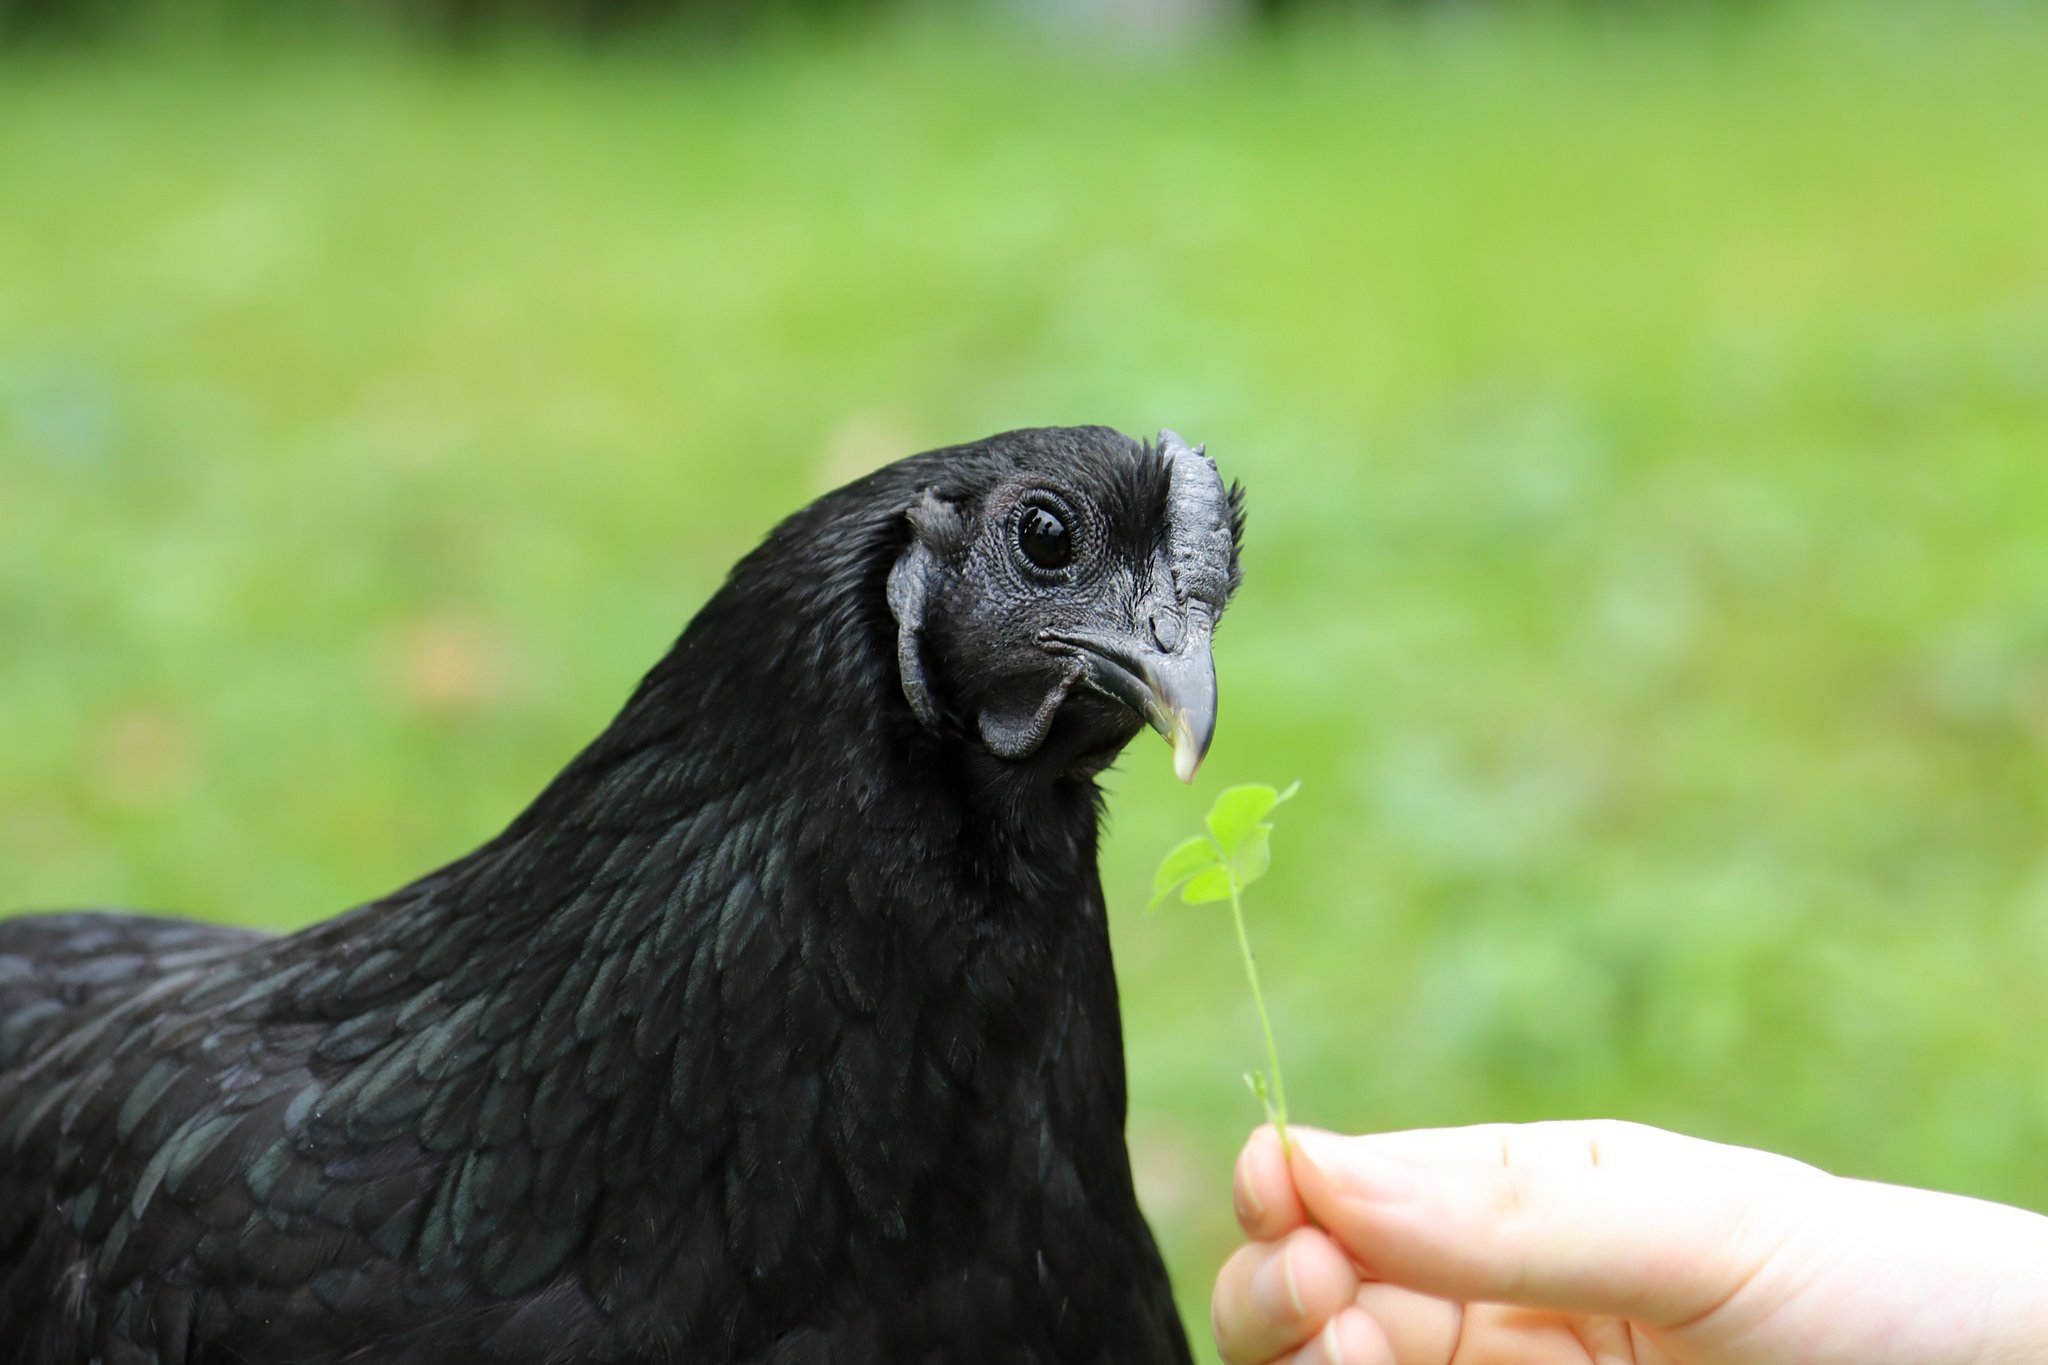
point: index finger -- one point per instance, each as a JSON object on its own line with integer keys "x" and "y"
{"x": 1657, "y": 1244}
{"x": 1571, "y": 1142}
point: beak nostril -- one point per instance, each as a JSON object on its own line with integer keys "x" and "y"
{"x": 1167, "y": 630}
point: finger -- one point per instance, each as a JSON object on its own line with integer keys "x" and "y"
{"x": 1390, "y": 1326}
{"x": 1271, "y": 1297}
{"x": 1262, "y": 1189}
{"x": 1353, "y": 1338}
{"x": 1591, "y": 1142}
{"x": 1416, "y": 1327}
{"x": 1630, "y": 1240}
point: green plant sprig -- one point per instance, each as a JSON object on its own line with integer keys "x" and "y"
{"x": 1218, "y": 866}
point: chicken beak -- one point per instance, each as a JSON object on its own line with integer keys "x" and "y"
{"x": 1182, "y": 691}
{"x": 1174, "y": 691}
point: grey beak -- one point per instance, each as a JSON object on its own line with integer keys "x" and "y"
{"x": 1181, "y": 690}
{"x": 1174, "y": 691}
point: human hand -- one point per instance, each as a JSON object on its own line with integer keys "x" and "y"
{"x": 1597, "y": 1242}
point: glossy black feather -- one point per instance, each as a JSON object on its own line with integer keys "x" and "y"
{"x": 780, "y": 1027}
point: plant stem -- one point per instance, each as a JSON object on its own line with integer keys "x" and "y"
{"x": 1277, "y": 1109}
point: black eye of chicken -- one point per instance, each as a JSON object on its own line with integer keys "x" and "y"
{"x": 1042, "y": 533}
{"x": 781, "y": 1027}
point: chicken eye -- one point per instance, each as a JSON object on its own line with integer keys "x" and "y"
{"x": 1043, "y": 538}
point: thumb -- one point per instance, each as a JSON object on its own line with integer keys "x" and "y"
{"x": 1659, "y": 1244}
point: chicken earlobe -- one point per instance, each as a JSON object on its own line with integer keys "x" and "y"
{"x": 932, "y": 520}
{"x": 908, "y": 592}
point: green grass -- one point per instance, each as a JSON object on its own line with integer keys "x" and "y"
{"x": 1646, "y": 427}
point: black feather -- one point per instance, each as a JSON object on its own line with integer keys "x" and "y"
{"x": 781, "y": 1027}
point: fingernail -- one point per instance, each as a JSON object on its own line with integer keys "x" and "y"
{"x": 1249, "y": 1207}
{"x": 1274, "y": 1291}
{"x": 1353, "y": 1168}
{"x": 1331, "y": 1343}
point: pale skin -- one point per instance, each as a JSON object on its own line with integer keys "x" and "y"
{"x": 1603, "y": 1243}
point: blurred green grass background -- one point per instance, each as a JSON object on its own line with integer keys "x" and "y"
{"x": 1646, "y": 428}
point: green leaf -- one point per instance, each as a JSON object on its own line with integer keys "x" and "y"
{"x": 1237, "y": 852}
{"x": 1253, "y": 856}
{"x": 1183, "y": 861}
{"x": 1238, "y": 811}
{"x": 1204, "y": 887}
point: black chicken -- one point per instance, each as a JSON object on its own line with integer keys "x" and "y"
{"x": 780, "y": 1028}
